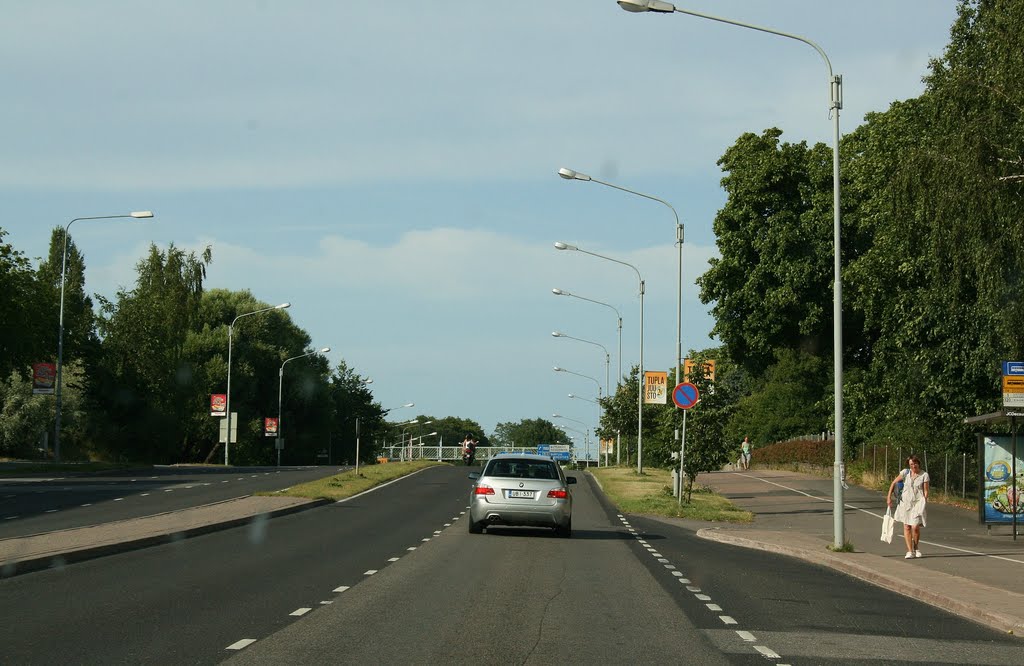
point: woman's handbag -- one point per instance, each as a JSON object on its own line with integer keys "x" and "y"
{"x": 888, "y": 526}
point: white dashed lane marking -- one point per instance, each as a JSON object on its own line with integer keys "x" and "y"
{"x": 771, "y": 654}
{"x": 726, "y": 619}
{"x": 369, "y": 572}
{"x": 746, "y": 635}
{"x": 245, "y": 642}
{"x": 299, "y": 612}
{"x": 341, "y": 588}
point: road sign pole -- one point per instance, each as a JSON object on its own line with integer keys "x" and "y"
{"x": 682, "y": 459}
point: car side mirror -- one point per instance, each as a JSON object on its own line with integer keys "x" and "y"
{"x": 474, "y": 475}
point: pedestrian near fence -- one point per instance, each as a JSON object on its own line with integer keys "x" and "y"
{"x": 913, "y": 504}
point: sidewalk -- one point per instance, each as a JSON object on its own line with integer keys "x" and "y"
{"x": 964, "y": 569}
{"x": 20, "y": 555}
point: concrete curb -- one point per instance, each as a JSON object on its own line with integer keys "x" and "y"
{"x": 924, "y": 585}
{"x": 51, "y": 551}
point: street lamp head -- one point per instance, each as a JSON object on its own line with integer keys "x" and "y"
{"x": 139, "y": 214}
{"x": 368, "y": 380}
{"x": 569, "y": 174}
{"x": 556, "y": 416}
{"x": 558, "y": 369}
{"x": 572, "y": 395}
{"x": 638, "y": 6}
{"x": 564, "y": 246}
{"x": 325, "y": 350}
{"x": 557, "y": 334}
{"x": 282, "y": 306}
{"x": 560, "y": 292}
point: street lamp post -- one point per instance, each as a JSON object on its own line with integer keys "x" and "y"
{"x": 227, "y": 399}
{"x": 593, "y": 379}
{"x": 580, "y": 397}
{"x": 585, "y": 432}
{"x": 640, "y": 394}
{"x": 835, "y": 83}
{"x": 280, "y": 386}
{"x": 569, "y": 174}
{"x": 562, "y": 292}
{"x": 142, "y": 214}
{"x": 607, "y": 357}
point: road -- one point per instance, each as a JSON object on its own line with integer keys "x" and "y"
{"x": 393, "y": 576}
{"x": 35, "y": 504}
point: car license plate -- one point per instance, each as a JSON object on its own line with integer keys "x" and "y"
{"x": 528, "y": 494}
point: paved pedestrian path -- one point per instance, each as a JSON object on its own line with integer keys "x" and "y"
{"x": 965, "y": 568}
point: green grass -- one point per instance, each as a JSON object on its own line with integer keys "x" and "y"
{"x": 349, "y": 483}
{"x": 651, "y": 493}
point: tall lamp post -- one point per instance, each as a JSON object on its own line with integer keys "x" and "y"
{"x": 569, "y": 174}
{"x": 562, "y": 292}
{"x": 607, "y": 357}
{"x": 227, "y": 399}
{"x": 585, "y": 432}
{"x": 142, "y": 214}
{"x": 280, "y": 386}
{"x": 640, "y": 393}
{"x": 835, "y": 88}
{"x": 578, "y": 374}
{"x": 580, "y": 397}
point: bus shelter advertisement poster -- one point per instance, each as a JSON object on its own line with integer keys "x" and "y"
{"x": 1000, "y": 496}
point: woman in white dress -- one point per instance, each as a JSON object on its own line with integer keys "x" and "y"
{"x": 913, "y": 503}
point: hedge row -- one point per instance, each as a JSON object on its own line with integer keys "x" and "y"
{"x": 806, "y": 451}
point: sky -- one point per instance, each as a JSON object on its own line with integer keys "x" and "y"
{"x": 390, "y": 168}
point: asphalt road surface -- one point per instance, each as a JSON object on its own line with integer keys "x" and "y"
{"x": 393, "y": 576}
{"x": 36, "y": 504}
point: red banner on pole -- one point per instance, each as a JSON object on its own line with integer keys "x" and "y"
{"x": 270, "y": 426}
{"x": 44, "y": 378}
{"x": 218, "y": 404}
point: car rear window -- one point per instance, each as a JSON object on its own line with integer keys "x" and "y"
{"x": 522, "y": 469}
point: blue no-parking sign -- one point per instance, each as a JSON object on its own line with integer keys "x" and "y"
{"x": 685, "y": 395}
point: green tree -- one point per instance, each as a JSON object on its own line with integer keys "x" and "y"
{"x": 771, "y": 284}
{"x": 351, "y": 399}
{"x": 527, "y": 433}
{"x": 25, "y": 337}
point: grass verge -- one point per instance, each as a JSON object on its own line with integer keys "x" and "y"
{"x": 651, "y": 493}
{"x": 349, "y": 483}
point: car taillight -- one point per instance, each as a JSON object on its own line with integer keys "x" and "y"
{"x": 483, "y": 490}
{"x": 558, "y": 494}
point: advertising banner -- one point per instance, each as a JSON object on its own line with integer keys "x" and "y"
{"x": 270, "y": 427}
{"x": 44, "y": 378}
{"x": 607, "y": 447}
{"x": 689, "y": 368}
{"x": 218, "y": 404}
{"x": 1000, "y": 496}
{"x": 655, "y": 388}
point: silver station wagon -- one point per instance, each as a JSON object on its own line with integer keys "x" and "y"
{"x": 523, "y": 490}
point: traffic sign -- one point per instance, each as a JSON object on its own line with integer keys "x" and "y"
{"x": 685, "y": 395}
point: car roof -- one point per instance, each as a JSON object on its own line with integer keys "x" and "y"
{"x": 521, "y": 456}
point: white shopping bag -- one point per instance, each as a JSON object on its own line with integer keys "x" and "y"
{"x": 888, "y": 526}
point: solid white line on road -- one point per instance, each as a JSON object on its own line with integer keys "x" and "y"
{"x": 245, "y": 642}
{"x": 747, "y": 636}
{"x": 771, "y": 654}
{"x": 299, "y": 612}
{"x": 716, "y": 608}
{"x": 341, "y": 589}
{"x": 369, "y": 572}
{"x": 726, "y": 619}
